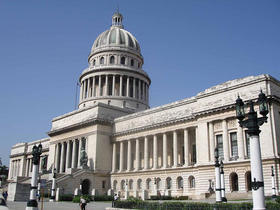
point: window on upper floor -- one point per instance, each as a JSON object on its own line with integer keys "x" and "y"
{"x": 233, "y": 142}
{"x": 112, "y": 59}
{"x": 123, "y": 60}
{"x": 93, "y": 62}
{"x": 247, "y": 144}
{"x": 132, "y": 62}
{"x": 219, "y": 143}
{"x": 102, "y": 60}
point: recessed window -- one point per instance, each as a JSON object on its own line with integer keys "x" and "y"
{"x": 112, "y": 60}
{"x": 138, "y": 65}
{"x": 233, "y": 141}
{"x": 219, "y": 140}
{"x": 102, "y": 60}
{"x": 122, "y": 60}
{"x": 93, "y": 63}
{"x": 132, "y": 62}
{"x": 103, "y": 184}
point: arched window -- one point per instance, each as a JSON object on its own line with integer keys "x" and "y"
{"x": 192, "y": 182}
{"x": 102, "y": 60}
{"x": 122, "y": 184}
{"x": 115, "y": 184}
{"x": 248, "y": 179}
{"x": 233, "y": 181}
{"x": 139, "y": 184}
{"x": 130, "y": 184}
{"x": 132, "y": 62}
{"x": 112, "y": 59}
{"x": 180, "y": 183}
{"x": 149, "y": 184}
{"x": 168, "y": 183}
{"x": 93, "y": 62}
{"x": 122, "y": 60}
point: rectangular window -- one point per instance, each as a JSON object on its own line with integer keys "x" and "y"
{"x": 219, "y": 141}
{"x": 233, "y": 142}
{"x": 103, "y": 184}
{"x": 193, "y": 153}
{"x": 247, "y": 144}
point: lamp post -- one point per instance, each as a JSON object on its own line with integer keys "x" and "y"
{"x": 32, "y": 202}
{"x": 218, "y": 177}
{"x": 52, "y": 198}
{"x": 273, "y": 183}
{"x": 223, "y": 191}
{"x": 210, "y": 189}
{"x": 252, "y": 123}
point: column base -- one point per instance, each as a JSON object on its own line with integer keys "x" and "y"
{"x": 32, "y": 205}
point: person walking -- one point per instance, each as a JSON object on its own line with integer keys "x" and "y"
{"x": 83, "y": 203}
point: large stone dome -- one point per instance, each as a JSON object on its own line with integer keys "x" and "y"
{"x": 116, "y": 37}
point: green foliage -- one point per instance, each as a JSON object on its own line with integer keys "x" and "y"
{"x": 277, "y": 199}
{"x": 181, "y": 198}
{"x": 103, "y": 198}
{"x": 66, "y": 197}
{"x": 188, "y": 206}
{"x": 77, "y": 198}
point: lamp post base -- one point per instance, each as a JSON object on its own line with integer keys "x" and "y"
{"x": 224, "y": 199}
{"x": 32, "y": 205}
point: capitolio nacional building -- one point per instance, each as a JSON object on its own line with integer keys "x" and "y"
{"x": 134, "y": 150}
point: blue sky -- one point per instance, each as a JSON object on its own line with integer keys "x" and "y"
{"x": 188, "y": 46}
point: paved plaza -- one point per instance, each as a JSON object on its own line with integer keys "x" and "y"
{"x": 61, "y": 206}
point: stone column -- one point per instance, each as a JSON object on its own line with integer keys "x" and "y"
{"x": 139, "y": 89}
{"x": 137, "y": 154}
{"x": 57, "y": 159}
{"x": 106, "y": 86}
{"x": 121, "y": 84}
{"x": 225, "y": 140}
{"x": 143, "y": 92}
{"x": 127, "y": 87}
{"x": 74, "y": 154}
{"x": 164, "y": 150}
{"x": 79, "y": 152}
{"x": 155, "y": 153}
{"x": 186, "y": 147}
{"x": 93, "y": 87}
{"x": 68, "y": 155}
{"x": 146, "y": 153}
{"x": 113, "y": 85}
{"x": 121, "y": 156}
{"x": 128, "y": 155}
{"x": 87, "y": 88}
{"x": 99, "y": 85}
{"x": 114, "y": 158}
{"x": 134, "y": 87}
{"x": 175, "y": 149}
{"x": 62, "y": 159}
{"x": 240, "y": 143}
{"x": 212, "y": 141}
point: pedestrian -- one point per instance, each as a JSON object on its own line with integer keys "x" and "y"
{"x": 5, "y": 195}
{"x": 114, "y": 200}
{"x": 83, "y": 203}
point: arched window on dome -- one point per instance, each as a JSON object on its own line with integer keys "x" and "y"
{"x": 102, "y": 60}
{"x": 112, "y": 59}
{"x": 93, "y": 62}
{"x": 123, "y": 60}
{"x": 138, "y": 65}
{"x": 132, "y": 62}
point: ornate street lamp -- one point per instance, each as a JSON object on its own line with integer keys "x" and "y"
{"x": 273, "y": 183}
{"x": 210, "y": 189}
{"x": 52, "y": 198}
{"x": 252, "y": 123}
{"x": 218, "y": 177}
{"x": 223, "y": 192}
{"x": 32, "y": 202}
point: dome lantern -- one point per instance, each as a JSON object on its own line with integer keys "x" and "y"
{"x": 117, "y": 20}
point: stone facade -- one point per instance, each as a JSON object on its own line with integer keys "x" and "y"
{"x": 137, "y": 151}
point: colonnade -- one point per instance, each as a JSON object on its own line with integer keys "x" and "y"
{"x": 67, "y": 154}
{"x": 170, "y": 149}
{"x": 15, "y": 168}
{"x": 114, "y": 85}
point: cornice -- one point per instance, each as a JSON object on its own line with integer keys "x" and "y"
{"x": 80, "y": 125}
